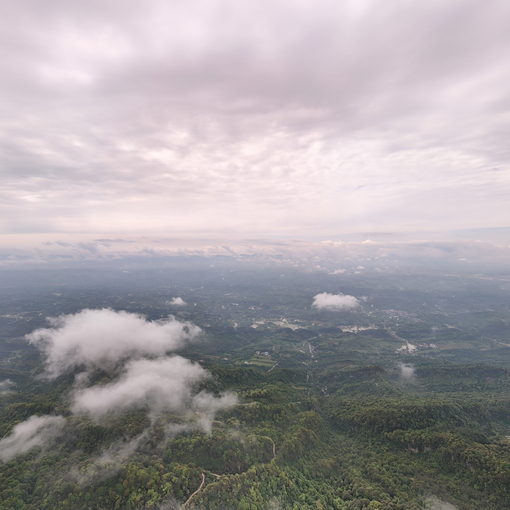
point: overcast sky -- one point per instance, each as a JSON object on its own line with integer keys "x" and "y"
{"x": 264, "y": 118}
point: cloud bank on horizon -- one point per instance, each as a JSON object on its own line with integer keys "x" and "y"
{"x": 470, "y": 251}
{"x": 288, "y": 118}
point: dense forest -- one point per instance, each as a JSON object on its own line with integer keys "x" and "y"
{"x": 285, "y": 445}
{"x": 284, "y": 407}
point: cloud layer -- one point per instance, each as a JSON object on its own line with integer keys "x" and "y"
{"x": 334, "y": 302}
{"x": 292, "y": 118}
{"x": 93, "y": 338}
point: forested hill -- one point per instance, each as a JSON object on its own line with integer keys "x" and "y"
{"x": 271, "y": 404}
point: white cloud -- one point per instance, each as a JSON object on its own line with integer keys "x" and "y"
{"x": 334, "y": 302}
{"x": 177, "y": 301}
{"x": 103, "y": 337}
{"x": 35, "y": 431}
{"x": 161, "y": 384}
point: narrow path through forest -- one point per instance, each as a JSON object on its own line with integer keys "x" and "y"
{"x": 202, "y": 483}
{"x": 196, "y": 492}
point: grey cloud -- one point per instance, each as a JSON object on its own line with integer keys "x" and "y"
{"x": 33, "y": 432}
{"x": 253, "y": 117}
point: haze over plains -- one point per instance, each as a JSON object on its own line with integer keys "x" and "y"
{"x": 240, "y": 120}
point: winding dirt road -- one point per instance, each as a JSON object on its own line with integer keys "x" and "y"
{"x": 186, "y": 503}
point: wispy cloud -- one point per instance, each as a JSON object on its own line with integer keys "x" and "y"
{"x": 6, "y": 387}
{"x": 35, "y": 431}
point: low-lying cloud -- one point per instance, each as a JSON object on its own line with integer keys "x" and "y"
{"x": 177, "y": 301}
{"x": 35, "y": 431}
{"x": 109, "y": 461}
{"x": 407, "y": 372}
{"x": 6, "y": 387}
{"x": 99, "y": 338}
{"x": 166, "y": 383}
{"x": 334, "y": 302}
{"x": 146, "y": 377}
